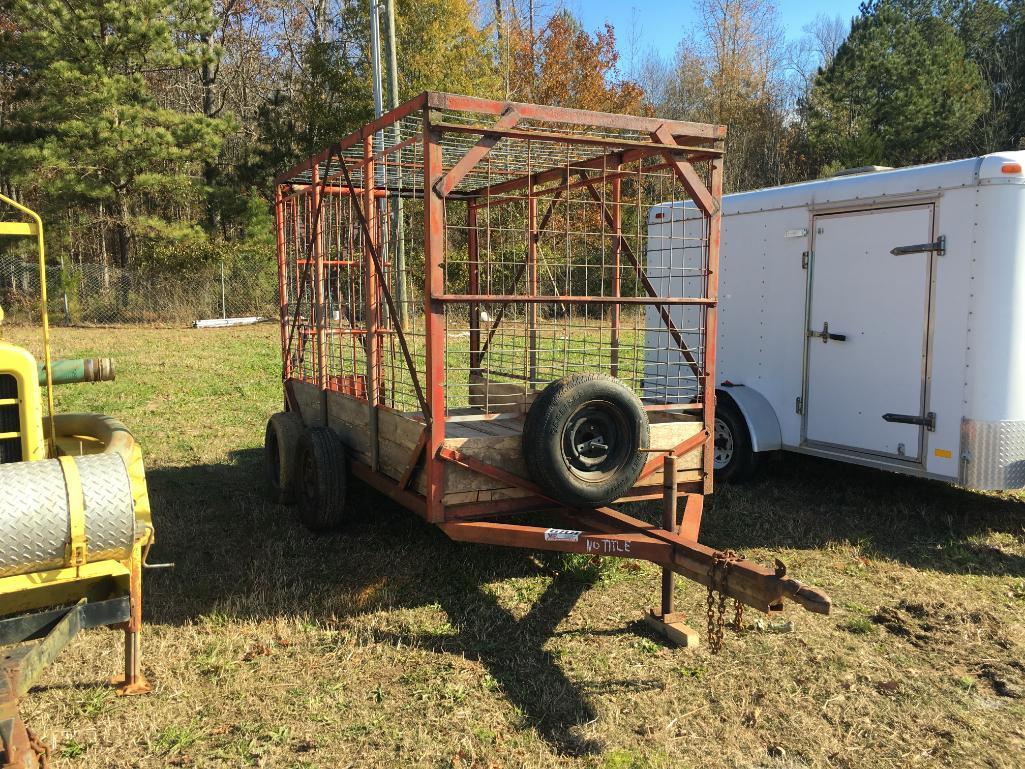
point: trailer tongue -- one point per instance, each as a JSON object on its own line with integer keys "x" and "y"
{"x": 609, "y": 533}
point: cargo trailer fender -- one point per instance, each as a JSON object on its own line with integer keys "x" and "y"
{"x": 760, "y": 417}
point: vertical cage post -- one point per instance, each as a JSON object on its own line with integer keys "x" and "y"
{"x": 434, "y": 318}
{"x": 372, "y": 305}
{"x": 319, "y": 319}
{"x": 279, "y": 220}
{"x": 714, "y": 219}
{"x": 532, "y": 238}
{"x": 617, "y": 253}
{"x": 473, "y": 270}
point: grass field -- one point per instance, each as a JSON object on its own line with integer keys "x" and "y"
{"x": 388, "y": 645}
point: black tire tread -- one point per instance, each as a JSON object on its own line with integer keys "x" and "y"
{"x": 287, "y": 427}
{"x": 542, "y": 440}
{"x": 325, "y": 510}
{"x": 745, "y": 461}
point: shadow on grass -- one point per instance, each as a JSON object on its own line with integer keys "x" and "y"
{"x": 805, "y": 502}
{"x": 239, "y": 555}
{"x": 236, "y": 554}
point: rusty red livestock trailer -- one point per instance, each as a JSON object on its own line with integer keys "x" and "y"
{"x": 464, "y": 329}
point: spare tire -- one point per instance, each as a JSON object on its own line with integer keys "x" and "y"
{"x": 582, "y": 439}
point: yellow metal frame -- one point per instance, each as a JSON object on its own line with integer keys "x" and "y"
{"x": 29, "y": 229}
{"x": 20, "y": 364}
{"x": 99, "y": 580}
{"x": 78, "y": 577}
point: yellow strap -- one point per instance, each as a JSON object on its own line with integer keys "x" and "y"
{"x": 78, "y": 546}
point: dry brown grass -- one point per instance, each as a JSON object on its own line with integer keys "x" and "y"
{"x": 388, "y": 645}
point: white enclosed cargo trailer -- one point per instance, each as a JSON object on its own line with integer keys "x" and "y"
{"x": 875, "y": 318}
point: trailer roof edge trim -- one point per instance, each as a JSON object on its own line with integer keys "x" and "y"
{"x": 953, "y": 174}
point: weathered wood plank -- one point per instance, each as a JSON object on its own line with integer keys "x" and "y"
{"x": 308, "y": 396}
{"x": 499, "y": 397}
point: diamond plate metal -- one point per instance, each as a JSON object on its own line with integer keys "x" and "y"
{"x": 34, "y": 527}
{"x": 993, "y": 454}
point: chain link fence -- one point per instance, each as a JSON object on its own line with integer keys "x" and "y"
{"x": 96, "y": 294}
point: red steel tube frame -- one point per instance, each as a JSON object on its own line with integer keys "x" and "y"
{"x": 438, "y": 184}
{"x": 602, "y": 530}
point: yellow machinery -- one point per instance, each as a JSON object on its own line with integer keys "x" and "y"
{"x": 75, "y": 521}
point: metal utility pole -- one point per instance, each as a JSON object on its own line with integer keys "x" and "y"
{"x": 378, "y": 144}
{"x": 375, "y": 56}
{"x": 398, "y": 227}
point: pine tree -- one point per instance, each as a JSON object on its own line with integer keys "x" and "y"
{"x": 86, "y": 128}
{"x": 900, "y": 90}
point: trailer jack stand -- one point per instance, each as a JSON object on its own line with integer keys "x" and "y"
{"x": 133, "y": 682}
{"x": 669, "y": 623}
{"x": 672, "y": 627}
{"x": 38, "y": 639}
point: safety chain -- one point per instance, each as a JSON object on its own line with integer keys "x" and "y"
{"x": 40, "y": 749}
{"x": 717, "y": 576}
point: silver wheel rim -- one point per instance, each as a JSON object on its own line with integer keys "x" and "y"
{"x": 723, "y": 445}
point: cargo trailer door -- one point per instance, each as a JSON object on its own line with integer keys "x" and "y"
{"x": 867, "y": 332}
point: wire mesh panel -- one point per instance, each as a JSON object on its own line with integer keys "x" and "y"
{"x": 566, "y": 246}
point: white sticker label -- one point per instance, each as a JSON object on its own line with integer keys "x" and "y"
{"x": 796, "y": 233}
{"x": 561, "y": 535}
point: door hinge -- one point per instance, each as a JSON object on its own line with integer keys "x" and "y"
{"x": 799, "y": 405}
{"x": 939, "y": 246}
{"x": 928, "y": 421}
{"x": 805, "y": 255}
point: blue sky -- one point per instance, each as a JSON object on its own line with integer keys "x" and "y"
{"x": 660, "y": 25}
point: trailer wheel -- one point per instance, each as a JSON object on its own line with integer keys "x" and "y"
{"x": 279, "y": 442}
{"x": 734, "y": 461}
{"x": 320, "y": 479}
{"x": 582, "y": 439}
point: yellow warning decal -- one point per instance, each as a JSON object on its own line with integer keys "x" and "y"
{"x": 943, "y": 453}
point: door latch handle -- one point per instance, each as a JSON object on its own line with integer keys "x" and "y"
{"x": 825, "y": 336}
{"x": 928, "y": 421}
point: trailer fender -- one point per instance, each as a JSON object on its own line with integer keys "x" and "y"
{"x": 762, "y": 423}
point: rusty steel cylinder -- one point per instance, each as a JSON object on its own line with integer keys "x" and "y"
{"x": 79, "y": 370}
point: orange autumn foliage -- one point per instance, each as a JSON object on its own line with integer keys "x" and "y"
{"x": 568, "y": 67}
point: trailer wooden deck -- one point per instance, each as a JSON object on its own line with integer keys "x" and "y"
{"x": 493, "y": 438}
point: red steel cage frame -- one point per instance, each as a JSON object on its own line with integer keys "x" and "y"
{"x": 363, "y": 352}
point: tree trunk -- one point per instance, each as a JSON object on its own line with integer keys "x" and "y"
{"x": 124, "y": 236}
{"x": 208, "y": 72}
{"x": 104, "y": 256}
{"x": 533, "y": 44}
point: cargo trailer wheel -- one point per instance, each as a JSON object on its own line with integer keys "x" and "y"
{"x": 320, "y": 479}
{"x": 734, "y": 460}
{"x": 279, "y": 442}
{"x": 582, "y": 439}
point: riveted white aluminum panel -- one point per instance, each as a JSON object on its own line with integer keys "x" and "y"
{"x": 995, "y": 365}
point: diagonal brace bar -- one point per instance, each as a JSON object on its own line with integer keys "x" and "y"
{"x": 372, "y": 250}
{"x": 667, "y": 319}
{"x": 475, "y": 154}
{"x": 687, "y": 175}
{"x": 684, "y": 447}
